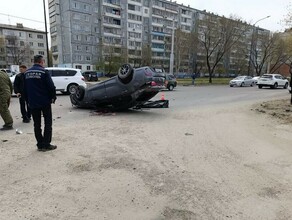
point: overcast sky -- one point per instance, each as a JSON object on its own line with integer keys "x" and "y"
{"x": 31, "y": 13}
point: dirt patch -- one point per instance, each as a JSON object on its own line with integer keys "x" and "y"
{"x": 279, "y": 109}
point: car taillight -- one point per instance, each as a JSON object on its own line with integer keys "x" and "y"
{"x": 153, "y": 83}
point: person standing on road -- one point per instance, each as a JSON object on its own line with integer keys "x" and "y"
{"x": 19, "y": 91}
{"x": 40, "y": 92}
{"x": 193, "y": 78}
{"x": 5, "y": 95}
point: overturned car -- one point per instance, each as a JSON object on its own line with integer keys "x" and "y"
{"x": 131, "y": 88}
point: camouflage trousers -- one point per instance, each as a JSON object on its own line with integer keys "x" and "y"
{"x": 4, "y": 111}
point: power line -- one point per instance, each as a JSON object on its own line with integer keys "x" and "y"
{"x": 22, "y": 18}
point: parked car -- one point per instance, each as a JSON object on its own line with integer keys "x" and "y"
{"x": 170, "y": 82}
{"x": 9, "y": 72}
{"x": 65, "y": 79}
{"x": 242, "y": 81}
{"x": 131, "y": 88}
{"x": 255, "y": 79}
{"x": 90, "y": 75}
{"x": 273, "y": 81}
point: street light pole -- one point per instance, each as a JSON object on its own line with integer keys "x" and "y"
{"x": 252, "y": 43}
{"x": 172, "y": 48}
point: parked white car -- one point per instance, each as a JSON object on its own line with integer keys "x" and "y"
{"x": 66, "y": 80}
{"x": 255, "y": 79}
{"x": 273, "y": 81}
{"x": 242, "y": 81}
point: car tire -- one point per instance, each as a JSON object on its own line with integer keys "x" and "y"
{"x": 71, "y": 88}
{"x": 242, "y": 84}
{"x": 260, "y": 86}
{"x": 286, "y": 86}
{"x": 170, "y": 87}
{"x": 275, "y": 86}
{"x": 80, "y": 92}
{"x": 126, "y": 73}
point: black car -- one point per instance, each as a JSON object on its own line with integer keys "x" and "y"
{"x": 131, "y": 88}
{"x": 170, "y": 82}
{"x": 90, "y": 75}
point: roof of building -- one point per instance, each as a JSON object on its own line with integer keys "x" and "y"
{"x": 20, "y": 27}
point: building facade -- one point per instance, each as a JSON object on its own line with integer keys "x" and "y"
{"x": 19, "y": 44}
{"x": 89, "y": 34}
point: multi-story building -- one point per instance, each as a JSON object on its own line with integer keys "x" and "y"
{"x": 89, "y": 34}
{"x": 86, "y": 33}
{"x": 19, "y": 44}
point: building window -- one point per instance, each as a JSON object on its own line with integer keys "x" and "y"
{"x": 39, "y": 36}
{"x": 41, "y": 52}
{"x": 86, "y": 7}
{"x": 40, "y": 44}
{"x": 88, "y": 58}
{"x": 79, "y": 57}
{"x": 31, "y": 44}
{"x": 87, "y": 67}
{"x": 30, "y": 35}
{"x": 21, "y": 43}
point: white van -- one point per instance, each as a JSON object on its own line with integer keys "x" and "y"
{"x": 65, "y": 79}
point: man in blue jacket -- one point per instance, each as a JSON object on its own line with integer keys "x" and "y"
{"x": 40, "y": 93}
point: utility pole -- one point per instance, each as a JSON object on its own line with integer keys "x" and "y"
{"x": 46, "y": 30}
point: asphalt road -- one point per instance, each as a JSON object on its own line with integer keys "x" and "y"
{"x": 196, "y": 96}
{"x": 188, "y": 96}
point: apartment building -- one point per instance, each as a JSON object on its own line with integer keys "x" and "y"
{"x": 88, "y": 34}
{"x": 18, "y": 45}
{"x": 85, "y": 33}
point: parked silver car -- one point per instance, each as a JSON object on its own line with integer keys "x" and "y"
{"x": 273, "y": 81}
{"x": 242, "y": 81}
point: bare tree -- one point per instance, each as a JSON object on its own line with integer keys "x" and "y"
{"x": 217, "y": 35}
{"x": 270, "y": 52}
{"x": 112, "y": 59}
{"x": 181, "y": 50}
{"x": 17, "y": 50}
{"x": 146, "y": 57}
{"x": 281, "y": 53}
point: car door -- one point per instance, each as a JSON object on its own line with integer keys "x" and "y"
{"x": 59, "y": 78}
{"x": 249, "y": 80}
{"x": 278, "y": 80}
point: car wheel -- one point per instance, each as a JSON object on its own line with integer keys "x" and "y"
{"x": 170, "y": 87}
{"x": 231, "y": 85}
{"x": 260, "y": 86}
{"x": 286, "y": 86}
{"x": 72, "y": 88}
{"x": 275, "y": 86}
{"x": 80, "y": 91}
{"x": 242, "y": 84}
{"x": 125, "y": 73}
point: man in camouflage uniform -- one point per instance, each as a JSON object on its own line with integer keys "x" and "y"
{"x": 5, "y": 95}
